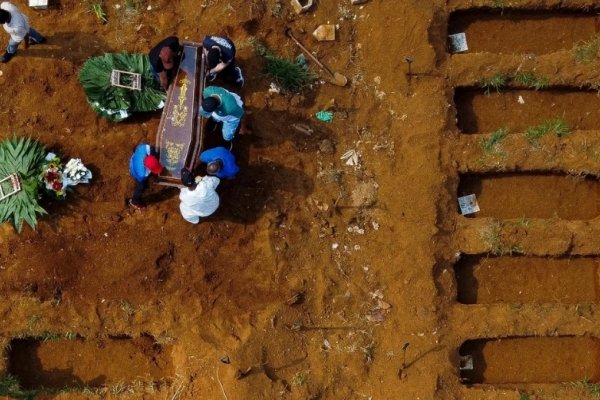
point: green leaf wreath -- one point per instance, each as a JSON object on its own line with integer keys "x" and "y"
{"x": 116, "y": 103}
{"x": 22, "y": 156}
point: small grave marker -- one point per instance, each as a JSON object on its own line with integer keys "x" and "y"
{"x": 325, "y": 33}
{"x": 133, "y": 80}
{"x": 12, "y": 184}
{"x": 468, "y": 204}
{"x": 39, "y": 4}
{"x": 466, "y": 363}
{"x": 458, "y": 42}
{"x": 301, "y": 6}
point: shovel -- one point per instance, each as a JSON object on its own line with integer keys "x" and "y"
{"x": 336, "y": 78}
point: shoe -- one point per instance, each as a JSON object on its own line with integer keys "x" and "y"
{"x": 6, "y": 57}
{"x": 211, "y": 77}
{"x": 137, "y": 207}
{"x": 240, "y": 79}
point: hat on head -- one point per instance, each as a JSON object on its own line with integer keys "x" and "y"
{"x": 166, "y": 56}
{"x": 187, "y": 178}
{"x": 152, "y": 163}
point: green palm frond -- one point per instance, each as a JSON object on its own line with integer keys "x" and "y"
{"x": 108, "y": 100}
{"x": 23, "y": 156}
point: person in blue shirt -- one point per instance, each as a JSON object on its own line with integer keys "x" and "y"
{"x": 143, "y": 163}
{"x": 220, "y": 162}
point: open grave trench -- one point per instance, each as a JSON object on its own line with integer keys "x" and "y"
{"x": 56, "y": 362}
{"x": 529, "y": 256}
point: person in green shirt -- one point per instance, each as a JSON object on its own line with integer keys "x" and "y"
{"x": 224, "y": 106}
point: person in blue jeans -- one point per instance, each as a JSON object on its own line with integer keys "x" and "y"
{"x": 17, "y": 26}
{"x": 221, "y": 105}
{"x": 143, "y": 163}
{"x": 220, "y": 162}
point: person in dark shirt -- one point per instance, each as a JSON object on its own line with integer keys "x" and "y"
{"x": 220, "y": 57}
{"x": 164, "y": 59}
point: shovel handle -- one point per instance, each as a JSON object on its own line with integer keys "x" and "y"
{"x": 289, "y": 34}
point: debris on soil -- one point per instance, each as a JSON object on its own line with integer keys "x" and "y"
{"x": 225, "y": 359}
{"x": 296, "y": 326}
{"x": 356, "y": 229}
{"x": 297, "y": 298}
{"x": 324, "y": 33}
{"x": 302, "y": 128}
{"x": 376, "y": 316}
{"x": 325, "y": 116}
{"x": 299, "y": 7}
{"x": 326, "y": 146}
{"x": 274, "y": 88}
{"x": 350, "y": 157}
{"x": 364, "y": 194}
{"x": 330, "y": 105}
{"x": 242, "y": 374}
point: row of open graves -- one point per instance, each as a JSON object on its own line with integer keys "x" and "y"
{"x": 526, "y": 277}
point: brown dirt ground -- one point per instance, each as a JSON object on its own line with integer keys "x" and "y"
{"x": 371, "y": 247}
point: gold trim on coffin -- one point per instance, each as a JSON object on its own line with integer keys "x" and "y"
{"x": 180, "y": 111}
{"x": 173, "y": 153}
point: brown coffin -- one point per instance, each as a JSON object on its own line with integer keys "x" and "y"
{"x": 179, "y": 139}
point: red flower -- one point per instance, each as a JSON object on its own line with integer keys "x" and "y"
{"x": 57, "y": 186}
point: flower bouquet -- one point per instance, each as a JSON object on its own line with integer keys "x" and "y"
{"x": 75, "y": 172}
{"x": 51, "y": 176}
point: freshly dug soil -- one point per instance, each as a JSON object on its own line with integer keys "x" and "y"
{"x": 315, "y": 279}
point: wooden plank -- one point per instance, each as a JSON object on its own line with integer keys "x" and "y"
{"x": 180, "y": 132}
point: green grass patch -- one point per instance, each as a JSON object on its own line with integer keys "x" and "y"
{"x": 529, "y": 79}
{"x": 10, "y": 387}
{"x": 558, "y": 126}
{"x": 290, "y": 75}
{"x": 585, "y": 384}
{"x": 492, "y": 236}
{"x": 491, "y": 144}
{"x": 22, "y": 156}
{"x": 496, "y": 82}
{"x": 97, "y": 8}
{"x": 586, "y": 51}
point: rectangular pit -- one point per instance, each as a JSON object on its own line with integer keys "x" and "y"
{"x": 478, "y": 112}
{"x": 507, "y": 31}
{"x": 532, "y": 195}
{"x": 58, "y": 364}
{"x": 486, "y": 280}
{"x": 531, "y": 360}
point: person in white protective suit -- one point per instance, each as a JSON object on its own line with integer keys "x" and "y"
{"x": 199, "y": 198}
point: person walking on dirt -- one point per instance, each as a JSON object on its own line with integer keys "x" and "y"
{"x": 220, "y": 56}
{"x": 17, "y": 26}
{"x": 164, "y": 60}
{"x": 220, "y": 162}
{"x": 199, "y": 198}
{"x": 143, "y": 163}
{"x": 224, "y": 106}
